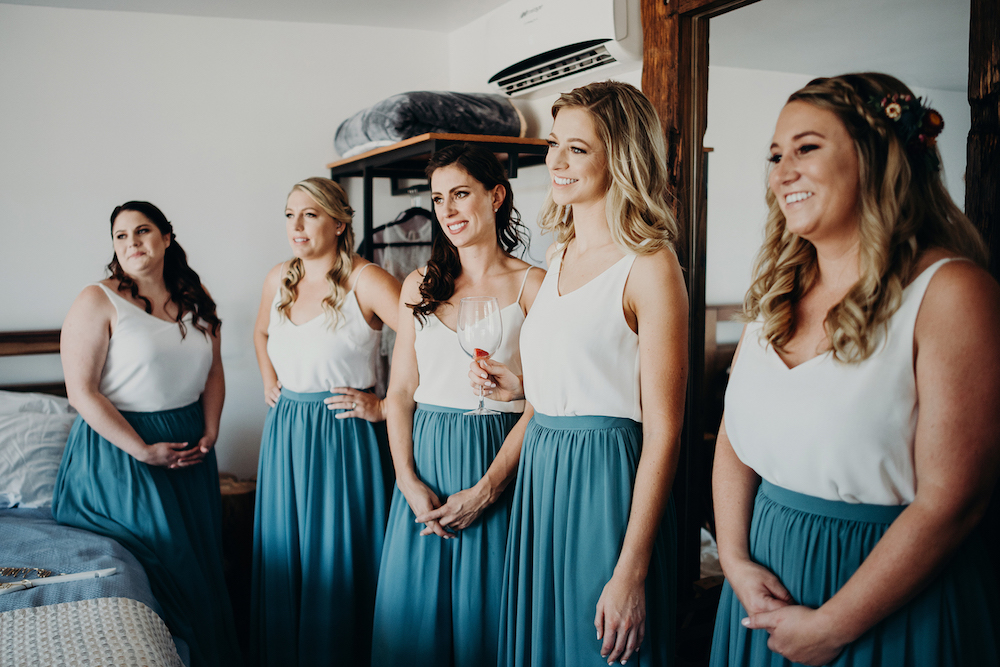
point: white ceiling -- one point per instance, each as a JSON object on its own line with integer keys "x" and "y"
{"x": 436, "y": 15}
{"x": 923, "y": 42}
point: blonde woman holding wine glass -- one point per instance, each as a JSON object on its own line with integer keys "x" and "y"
{"x": 442, "y": 562}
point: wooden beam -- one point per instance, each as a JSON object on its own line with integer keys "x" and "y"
{"x": 982, "y": 172}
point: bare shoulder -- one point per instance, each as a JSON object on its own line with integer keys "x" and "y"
{"x": 411, "y": 285}
{"x": 274, "y": 276}
{"x": 960, "y": 294}
{"x": 659, "y": 269}
{"x": 93, "y": 297}
{"x": 374, "y": 276}
{"x": 91, "y": 309}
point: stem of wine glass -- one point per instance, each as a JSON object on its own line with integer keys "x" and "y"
{"x": 480, "y": 398}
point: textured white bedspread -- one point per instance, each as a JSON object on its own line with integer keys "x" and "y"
{"x": 105, "y": 631}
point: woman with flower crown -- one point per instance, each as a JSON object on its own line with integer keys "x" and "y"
{"x": 859, "y": 446}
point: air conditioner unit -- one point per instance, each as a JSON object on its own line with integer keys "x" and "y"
{"x": 550, "y": 44}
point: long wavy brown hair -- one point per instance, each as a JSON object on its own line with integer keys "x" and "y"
{"x": 444, "y": 265}
{"x": 330, "y": 197}
{"x": 183, "y": 283}
{"x": 903, "y": 209}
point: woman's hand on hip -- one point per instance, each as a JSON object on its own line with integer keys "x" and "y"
{"x": 360, "y": 404}
{"x": 272, "y": 394}
{"x": 758, "y": 589}
{"x": 621, "y": 618}
{"x": 459, "y": 511}
{"x": 496, "y": 381}
{"x": 800, "y": 634}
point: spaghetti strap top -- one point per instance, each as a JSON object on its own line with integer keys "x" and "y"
{"x": 318, "y": 355}
{"x": 443, "y": 365}
{"x": 580, "y": 356}
{"x": 829, "y": 429}
{"x": 149, "y": 366}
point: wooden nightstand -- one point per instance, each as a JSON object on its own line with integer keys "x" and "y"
{"x": 237, "y": 549}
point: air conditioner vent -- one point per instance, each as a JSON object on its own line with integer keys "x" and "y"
{"x": 552, "y": 66}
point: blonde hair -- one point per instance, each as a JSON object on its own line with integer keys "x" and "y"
{"x": 332, "y": 199}
{"x": 903, "y": 209}
{"x": 630, "y": 131}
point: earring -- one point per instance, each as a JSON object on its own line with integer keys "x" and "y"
{"x": 496, "y": 209}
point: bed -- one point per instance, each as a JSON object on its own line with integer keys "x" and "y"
{"x": 106, "y": 620}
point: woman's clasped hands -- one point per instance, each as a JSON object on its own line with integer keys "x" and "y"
{"x": 797, "y": 632}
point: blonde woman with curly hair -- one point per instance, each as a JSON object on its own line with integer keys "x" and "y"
{"x": 859, "y": 447}
{"x": 321, "y": 495}
{"x": 604, "y": 352}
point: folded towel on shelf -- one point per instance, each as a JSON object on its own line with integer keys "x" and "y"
{"x": 411, "y": 114}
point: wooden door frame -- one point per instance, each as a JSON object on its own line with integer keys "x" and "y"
{"x": 675, "y": 78}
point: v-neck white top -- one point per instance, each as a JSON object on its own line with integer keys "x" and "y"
{"x": 319, "y": 355}
{"x": 443, "y": 365}
{"x": 580, "y": 356}
{"x": 149, "y": 366}
{"x": 829, "y": 429}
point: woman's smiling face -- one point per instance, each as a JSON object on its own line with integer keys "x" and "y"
{"x": 815, "y": 173}
{"x": 576, "y": 160}
{"x": 465, "y": 209}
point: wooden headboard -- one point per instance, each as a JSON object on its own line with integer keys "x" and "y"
{"x": 22, "y": 343}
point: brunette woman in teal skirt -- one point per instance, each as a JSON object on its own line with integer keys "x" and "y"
{"x": 140, "y": 353}
{"x": 442, "y": 564}
{"x": 589, "y": 574}
{"x": 321, "y": 492}
{"x": 859, "y": 447}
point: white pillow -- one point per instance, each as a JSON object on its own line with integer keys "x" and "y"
{"x": 31, "y": 448}
{"x": 20, "y": 401}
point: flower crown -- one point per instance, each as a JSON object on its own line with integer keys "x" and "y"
{"x": 916, "y": 125}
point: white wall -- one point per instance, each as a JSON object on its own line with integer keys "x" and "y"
{"x": 212, "y": 120}
{"x": 743, "y": 106}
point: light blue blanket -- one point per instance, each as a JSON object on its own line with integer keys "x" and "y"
{"x": 32, "y": 538}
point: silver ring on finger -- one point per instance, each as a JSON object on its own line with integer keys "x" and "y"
{"x": 354, "y": 405}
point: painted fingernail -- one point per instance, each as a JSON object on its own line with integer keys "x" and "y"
{"x": 746, "y": 622}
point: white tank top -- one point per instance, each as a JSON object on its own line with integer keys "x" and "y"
{"x": 149, "y": 366}
{"x": 829, "y": 429}
{"x": 580, "y": 356}
{"x": 444, "y": 366}
{"x": 313, "y": 356}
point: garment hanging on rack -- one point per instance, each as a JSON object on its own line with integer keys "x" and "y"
{"x": 400, "y": 247}
{"x": 404, "y": 244}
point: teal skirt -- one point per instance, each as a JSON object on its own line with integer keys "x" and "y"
{"x": 815, "y": 545}
{"x": 568, "y": 522}
{"x": 438, "y": 600}
{"x": 318, "y": 531}
{"x": 171, "y": 521}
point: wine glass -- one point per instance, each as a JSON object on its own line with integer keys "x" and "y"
{"x": 479, "y": 333}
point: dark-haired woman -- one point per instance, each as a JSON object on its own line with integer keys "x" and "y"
{"x": 442, "y": 564}
{"x": 860, "y": 443}
{"x": 321, "y": 492}
{"x": 140, "y": 353}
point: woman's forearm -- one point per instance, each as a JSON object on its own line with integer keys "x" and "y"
{"x": 734, "y": 486}
{"x": 503, "y": 469}
{"x": 911, "y": 552}
{"x": 212, "y": 400}
{"x": 399, "y": 427}
{"x": 102, "y": 416}
{"x": 651, "y": 491}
